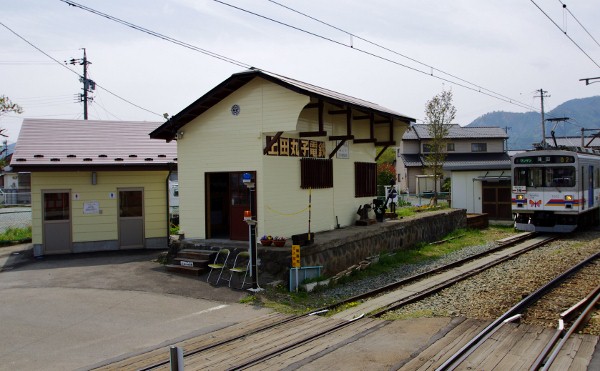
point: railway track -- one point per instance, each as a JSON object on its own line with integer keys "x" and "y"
{"x": 475, "y": 353}
{"x": 289, "y": 340}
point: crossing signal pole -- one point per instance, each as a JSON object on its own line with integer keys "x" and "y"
{"x": 88, "y": 85}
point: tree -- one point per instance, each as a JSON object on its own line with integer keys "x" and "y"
{"x": 439, "y": 114}
{"x": 6, "y": 105}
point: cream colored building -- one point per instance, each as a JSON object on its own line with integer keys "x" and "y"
{"x": 298, "y": 142}
{"x": 95, "y": 185}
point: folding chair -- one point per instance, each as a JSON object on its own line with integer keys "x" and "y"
{"x": 241, "y": 264}
{"x": 220, "y": 263}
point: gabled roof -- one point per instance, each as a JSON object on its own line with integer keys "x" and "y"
{"x": 463, "y": 161}
{"x": 169, "y": 129}
{"x": 420, "y": 132}
{"x": 90, "y": 144}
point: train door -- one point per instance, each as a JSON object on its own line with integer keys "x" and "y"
{"x": 590, "y": 186}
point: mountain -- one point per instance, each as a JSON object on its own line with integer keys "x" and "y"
{"x": 524, "y": 129}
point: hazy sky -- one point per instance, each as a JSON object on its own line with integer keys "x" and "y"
{"x": 501, "y": 47}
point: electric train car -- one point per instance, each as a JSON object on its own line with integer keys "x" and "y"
{"x": 555, "y": 190}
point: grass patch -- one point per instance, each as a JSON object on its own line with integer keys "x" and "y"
{"x": 15, "y": 235}
{"x": 283, "y": 301}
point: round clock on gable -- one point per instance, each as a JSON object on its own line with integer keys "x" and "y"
{"x": 235, "y": 110}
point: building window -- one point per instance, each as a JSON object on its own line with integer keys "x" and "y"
{"x": 365, "y": 179}
{"x": 478, "y": 147}
{"x": 449, "y": 147}
{"x": 427, "y": 148}
{"x": 316, "y": 173}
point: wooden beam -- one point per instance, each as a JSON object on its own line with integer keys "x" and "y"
{"x": 341, "y": 137}
{"x": 391, "y": 138}
{"x": 312, "y": 105}
{"x": 381, "y": 153}
{"x": 337, "y": 148}
{"x": 359, "y": 141}
{"x": 348, "y": 120}
{"x": 337, "y": 112}
{"x": 305, "y": 134}
{"x": 321, "y": 132}
{"x": 271, "y": 142}
{"x": 372, "y": 125}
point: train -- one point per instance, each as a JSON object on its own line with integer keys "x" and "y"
{"x": 556, "y": 190}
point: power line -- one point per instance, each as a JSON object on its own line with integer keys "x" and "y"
{"x": 569, "y": 37}
{"x": 245, "y": 65}
{"x": 432, "y": 68}
{"x": 160, "y": 36}
{"x": 577, "y": 20}
{"x": 64, "y": 66}
{"x": 352, "y": 47}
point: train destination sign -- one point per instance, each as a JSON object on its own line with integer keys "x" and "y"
{"x": 552, "y": 159}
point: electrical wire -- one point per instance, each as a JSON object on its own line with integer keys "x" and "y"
{"x": 577, "y": 20}
{"x": 432, "y": 68}
{"x": 569, "y": 37}
{"x": 476, "y": 89}
{"x": 245, "y": 65}
{"x": 80, "y": 76}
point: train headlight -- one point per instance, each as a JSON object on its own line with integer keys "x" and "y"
{"x": 569, "y": 198}
{"x": 519, "y": 197}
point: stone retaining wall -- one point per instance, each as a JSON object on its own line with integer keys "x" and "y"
{"x": 339, "y": 249}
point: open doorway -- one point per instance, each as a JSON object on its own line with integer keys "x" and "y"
{"x": 226, "y": 200}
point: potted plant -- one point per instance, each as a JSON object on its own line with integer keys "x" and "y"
{"x": 266, "y": 240}
{"x": 279, "y": 241}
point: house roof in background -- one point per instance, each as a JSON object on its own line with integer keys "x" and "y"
{"x": 420, "y": 132}
{"x": 234, "y": 82}
{"x": 91, "y": 144}
{"x": 463, "y": 161}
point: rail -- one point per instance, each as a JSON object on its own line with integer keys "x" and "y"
{"x": 458, "y": 357}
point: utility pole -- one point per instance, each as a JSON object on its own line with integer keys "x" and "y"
{"x": 542, "y": 96}
{"x": 88, "y": 85}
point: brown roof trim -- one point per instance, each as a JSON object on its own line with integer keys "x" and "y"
{"x": 78, "y": 167}
{"x": 169, "y": 129}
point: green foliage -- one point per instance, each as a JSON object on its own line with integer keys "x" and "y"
{"x": 173, "y": 229}
{"x": 279, "y": 299}
{"x": 6, "y": 105}
{"x": 386, "y": 172}
{"x": 388, "y": 156}
{"x": 15, "y": 235}
{"x": 447, "y": 185}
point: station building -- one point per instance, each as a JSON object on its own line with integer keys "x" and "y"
{"x": 95, "y": 185}
{"x": 310, "y": 153}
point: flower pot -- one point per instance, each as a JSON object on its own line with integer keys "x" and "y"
{"x": 279, "y": 243}
{"x": 266, "y": 242}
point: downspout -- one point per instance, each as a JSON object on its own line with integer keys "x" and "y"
{"x": 168, "y": 205}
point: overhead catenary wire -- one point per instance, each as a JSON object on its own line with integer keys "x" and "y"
{"x": 352, "y": 35}
{"x": 565, "y": 33}
{"x": 248, "y": 66}
{"x": 76, "y": 73}
{"x": 351, "y": 46}
{"x": 580, "y": 24}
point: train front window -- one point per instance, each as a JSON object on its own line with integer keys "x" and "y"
{"x": 544, "y": 176}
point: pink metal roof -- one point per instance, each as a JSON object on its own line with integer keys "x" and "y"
{"x": 90, "y": 143}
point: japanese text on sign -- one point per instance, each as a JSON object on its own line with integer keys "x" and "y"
{"x": 295, "y": 147}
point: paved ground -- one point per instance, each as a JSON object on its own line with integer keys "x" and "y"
{"x": 15, "y": 217}
{"x": 75, "y": 311}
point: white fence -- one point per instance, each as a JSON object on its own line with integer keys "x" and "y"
{"x": 9, "y": 197}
